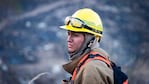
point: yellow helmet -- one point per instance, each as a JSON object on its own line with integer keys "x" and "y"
{"x": 90, "y": 22}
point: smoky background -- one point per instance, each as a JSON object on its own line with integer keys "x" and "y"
{"x": 31, "y": 42}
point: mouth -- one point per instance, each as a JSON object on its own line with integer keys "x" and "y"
{"x": 69, "y": 45}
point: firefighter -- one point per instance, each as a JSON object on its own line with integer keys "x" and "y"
{"x": 85, "y": 30}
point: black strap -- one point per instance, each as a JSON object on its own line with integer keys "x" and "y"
{"x": 119, "y": 76}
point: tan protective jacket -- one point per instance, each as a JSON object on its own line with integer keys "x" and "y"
{"x": 94, "y": 72}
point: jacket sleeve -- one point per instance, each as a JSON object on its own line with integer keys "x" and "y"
{"x": 95, "y": 72}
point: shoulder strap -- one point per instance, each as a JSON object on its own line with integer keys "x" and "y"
{"x": 101, "y": 58}
{"x": 87, "y": 58}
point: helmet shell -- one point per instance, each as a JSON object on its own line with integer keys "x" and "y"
{"x": 90, "y": 18}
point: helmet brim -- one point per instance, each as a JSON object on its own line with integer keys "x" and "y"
{"x": 70, "y": 28}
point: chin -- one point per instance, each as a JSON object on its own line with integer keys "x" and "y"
{"x": 70, "y": 51}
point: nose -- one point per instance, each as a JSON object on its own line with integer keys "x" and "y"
{"x": 69, "y": 39}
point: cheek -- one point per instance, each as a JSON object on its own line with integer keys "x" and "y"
{"x": 79, "y": 43}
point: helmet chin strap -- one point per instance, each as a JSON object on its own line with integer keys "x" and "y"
{"x": 91, "y": 42}
{"x": 95, "y": 44}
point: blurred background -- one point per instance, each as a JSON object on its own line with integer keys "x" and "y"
{"x": 32, "y": 43}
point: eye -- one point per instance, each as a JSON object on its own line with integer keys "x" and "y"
{"x": 77, "y": 34}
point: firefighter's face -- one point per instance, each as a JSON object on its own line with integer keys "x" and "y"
{"x": 74, "y": 41}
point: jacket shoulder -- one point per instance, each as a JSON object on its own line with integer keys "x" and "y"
{"x": 97, "y": 65}
{"x": 96, "y": 71}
